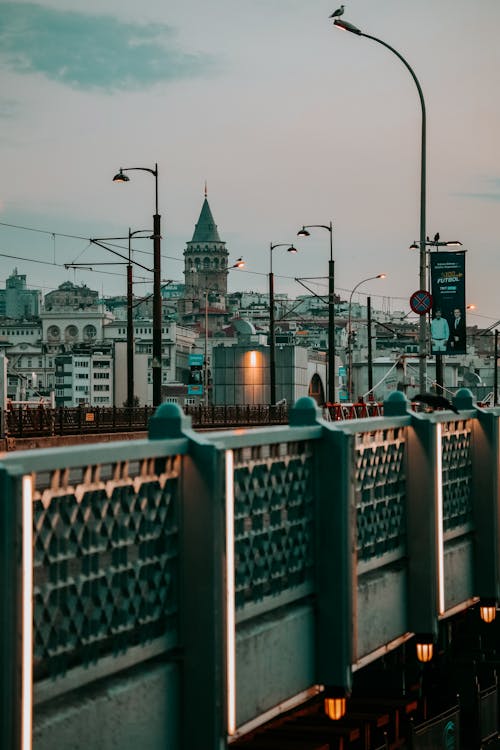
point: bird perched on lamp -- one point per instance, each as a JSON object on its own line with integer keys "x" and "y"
{"x": 434, "y": 401}
{"x": 337, "y": 13}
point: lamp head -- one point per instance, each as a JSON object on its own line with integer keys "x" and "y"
{"x": 240, "y": 263}
{"x": 292, "y": 249}
{"x": 121, "y": 177}
{"x": 335, "y": 702}
{"x": 381, "y": 276}
{"x": 488, "y": 610}
{"x": 303, "y": 233}
{"x": 425, "y": 647}
{"x": 488, "y": 614}
{"x": 346, "y": 26}
{"x": 335, "y": 708}
{"x": 414, "y": 246}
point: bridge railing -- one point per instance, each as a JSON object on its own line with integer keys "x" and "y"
{"x": 264, "y": 565}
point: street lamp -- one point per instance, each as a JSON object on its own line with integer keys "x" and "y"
{"x": 240, "y": 263}
{"x": 272, "y": 343}
{"x": 130, "y": 325}
{"x": 349, "y": 331}
{"x": 331, "y": 306}
{"x": 346, "y": 26}
{"x": 157, "y": 344}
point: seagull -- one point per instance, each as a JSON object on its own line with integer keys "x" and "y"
{"x": 337, "y": 13}
{"x": 436, "y": 237}
{"x": 434, "y": 401}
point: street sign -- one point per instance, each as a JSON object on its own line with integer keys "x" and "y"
{"x": 421, "y": 301}
{"x": 196, "y": 360}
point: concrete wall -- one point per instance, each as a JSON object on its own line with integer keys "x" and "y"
{"x": 274, "y": 660}
{"x": 136, "y": 710}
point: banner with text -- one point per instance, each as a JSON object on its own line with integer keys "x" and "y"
{"x": 448, "y": 328}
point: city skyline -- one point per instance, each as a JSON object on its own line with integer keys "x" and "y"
{"x": 288, "y": 120}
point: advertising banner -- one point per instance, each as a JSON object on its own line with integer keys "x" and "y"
{"x": 448, "y": 328}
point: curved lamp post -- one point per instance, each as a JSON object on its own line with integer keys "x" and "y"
{"x": 157, "y": 344}
{"x": 272, "y": 343}
{"x": 331, "y": 306}
{"x": 349, "y": 331}
{"x": 346, "y": 26}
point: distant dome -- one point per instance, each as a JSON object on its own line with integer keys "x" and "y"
{"x": 243, "y": 326}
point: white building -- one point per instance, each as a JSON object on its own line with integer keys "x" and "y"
{"x": 85, "y": 378}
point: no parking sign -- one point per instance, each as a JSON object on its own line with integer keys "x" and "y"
{"x": 421, "y": 301}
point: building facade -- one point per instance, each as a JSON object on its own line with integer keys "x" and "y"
{"x": 18, "y": 302}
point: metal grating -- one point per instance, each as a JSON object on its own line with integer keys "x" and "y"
{"x": 457, "y": 473}
{"x": 105, "y": 561}
{"x": 274, "y": 508}
{"x": 380, "y": 492}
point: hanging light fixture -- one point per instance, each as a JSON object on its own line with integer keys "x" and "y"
{"x": 335, "y": 703}
{"x": 488, "y": 610}
{"x": 425, "y": 648}
{"x": 335, "y": 708}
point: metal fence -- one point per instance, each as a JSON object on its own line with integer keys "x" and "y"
{"x": 39, "y": 421}
{"x": 42, "y": 421}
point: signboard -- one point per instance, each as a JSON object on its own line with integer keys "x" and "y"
{"x": 195, "y": 384}
{"x": 448, "y": 327}
{"x": 196, "y": 360}
{"x": 421, "y": 302}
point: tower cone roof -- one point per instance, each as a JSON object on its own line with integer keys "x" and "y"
{"x": 206, "y": 228}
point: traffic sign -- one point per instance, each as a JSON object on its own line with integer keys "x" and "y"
{"x": 421, "y": 301}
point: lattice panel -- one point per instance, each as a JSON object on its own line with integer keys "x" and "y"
{"x": 274, "y": 496}
{"x": 105, "y": 561}
{"x": 380, "y": 492}
{"x": 457, "y": 473}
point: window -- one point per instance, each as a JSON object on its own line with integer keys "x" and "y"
{"x": 89, "y": 332}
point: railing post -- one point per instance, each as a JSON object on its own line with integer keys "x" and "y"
{"x": 334, "y": 550}
{"x": 202, "y": 593}
{"x": 486, "y": 504}
{"x": 10, "y": 612}
{"x": 424, "y": 511}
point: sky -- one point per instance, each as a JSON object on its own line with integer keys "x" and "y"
{"x": 288, "y": 120}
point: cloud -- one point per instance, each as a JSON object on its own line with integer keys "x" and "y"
{"x": 91, "y": 52}
{"x": 8, "y": 108}
{"x": 492, "y": 193}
